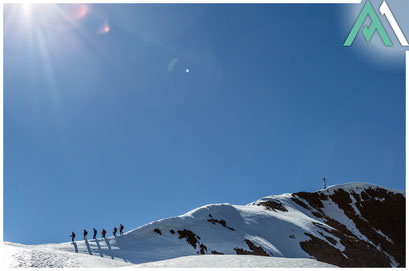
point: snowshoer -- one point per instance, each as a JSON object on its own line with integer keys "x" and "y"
{"x": 95, "y": 234}
{"x": 115, "y": 230}
{"x": 73, "y": 236}
{"x": 121, "y": 229}
{"x": 325, "y": 182}
{"x": 103, "y": 233}
{"x": 85, "y": 234}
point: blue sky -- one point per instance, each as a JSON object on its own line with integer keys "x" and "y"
{"x": 100, "y": 128}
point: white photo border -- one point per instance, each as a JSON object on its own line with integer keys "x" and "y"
{"x": 176, "y": 2}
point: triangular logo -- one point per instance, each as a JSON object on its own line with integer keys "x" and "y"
{"x": 368, "y": 33}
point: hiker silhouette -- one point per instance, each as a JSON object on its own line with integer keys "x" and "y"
{"x": 73, "y": 236}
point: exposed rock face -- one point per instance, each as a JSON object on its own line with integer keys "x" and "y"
{"x": 203, "y": 249}
{"x": 378, "y": 214}
{"x": 221, "y": 222}
{"x": 190, "y": 237}
{"x": 273, "y": 205}
{"x": 254, "y": 250}
{"x": 157, "y": 231}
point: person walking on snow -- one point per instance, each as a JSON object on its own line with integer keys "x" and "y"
{"x": 95, "y": 234}
{"x": 115, "y": 230}
{"x": 103, "y": 233}
{"x": 85, "y": 234}
{"x": 121, "y": 229}
{"x": 73, "y": 236}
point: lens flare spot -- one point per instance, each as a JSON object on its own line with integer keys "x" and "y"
{"x": 172, "y": 64}
{"x": 104, "y": 28}
{"x": 74, "y": 11}
{"x": 187, "y": 70}
{"x": 82, "y": 11}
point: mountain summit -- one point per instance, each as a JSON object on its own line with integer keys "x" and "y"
{"x": 348, "y": 225}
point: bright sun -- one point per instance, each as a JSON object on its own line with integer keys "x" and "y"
{"x": 48, "y": 29}
{"x": 26, "y": 10}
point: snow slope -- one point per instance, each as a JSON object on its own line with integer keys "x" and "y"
{"x": 285, "y": 226}
{"x": 17, "y": 255}
{"x": 236, "y": 261}
{"x": 26, "y": 256}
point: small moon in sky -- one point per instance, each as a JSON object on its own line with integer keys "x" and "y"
{"x": 187, "y": 70}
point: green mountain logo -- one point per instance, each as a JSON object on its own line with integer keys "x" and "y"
{"x": 376, "y": 25}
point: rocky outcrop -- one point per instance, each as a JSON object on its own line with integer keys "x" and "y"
{"x": 219, "y": 221}
{"x": 254, "y": 250}
{"x": 190, "y": 237}
{"x": 273, "y": 205}
{"x": 379, "y": 216}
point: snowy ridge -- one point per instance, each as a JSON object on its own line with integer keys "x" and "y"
{"x": 359, "y": 187}
{"x": 341, "y": 225}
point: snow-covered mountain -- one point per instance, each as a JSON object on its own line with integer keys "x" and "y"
{"x": 347, "y": 225}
